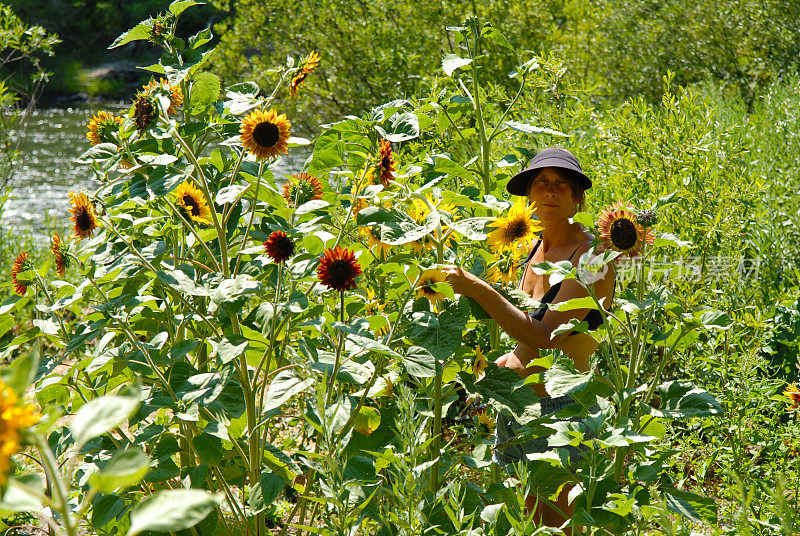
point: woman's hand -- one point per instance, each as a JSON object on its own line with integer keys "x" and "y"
{"x": 463, "y": 282}
{"x": 510, "y": 360}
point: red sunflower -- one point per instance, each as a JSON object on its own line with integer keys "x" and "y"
{"x": 22, "y": 263}
{"x": 279, "y": 246}
{"x": 620, "y": 231}
{"x": 338, "y": 269}
{"x": 59, "y": 249}
{"x": 386, "y": 164}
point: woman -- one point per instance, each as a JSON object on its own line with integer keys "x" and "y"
{"x": 555, "y": 184}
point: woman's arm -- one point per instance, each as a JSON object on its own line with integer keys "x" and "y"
{"x": 516, "y": 323}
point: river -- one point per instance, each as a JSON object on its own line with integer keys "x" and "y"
{"x": 47, "y": 168}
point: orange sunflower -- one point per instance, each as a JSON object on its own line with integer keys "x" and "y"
{"x": 306, "y": 68}
{"x": 303, "y": 188}
{"x": 14, "y": 418}
{"x": 82, "y": 215}
{"x": 338, "y": 269}
{"x": 279, "y": 246}
{"x": 163, "y": 87}
{"x": 22, "y": 263}
{"x": 386, "y": 164}
{"x": 793, "y": 394}
{"x": 265, "y": 134}
{"x": 59, "y": 249}
{"x": 102, "y": 128}
{"x": 620, "y": 231}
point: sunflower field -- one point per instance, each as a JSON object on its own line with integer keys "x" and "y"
{"x": 217, "y": 348}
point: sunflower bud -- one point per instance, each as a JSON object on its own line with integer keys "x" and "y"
{"x": 647, "y": 218}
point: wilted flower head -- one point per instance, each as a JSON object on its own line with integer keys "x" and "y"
{"x": 307, "y": 67}
{"x": 646, "y": 217}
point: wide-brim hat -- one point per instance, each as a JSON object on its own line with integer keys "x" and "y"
{"x": 550, "y": 157}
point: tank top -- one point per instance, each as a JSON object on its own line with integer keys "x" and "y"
{"x": 594, "y": 318}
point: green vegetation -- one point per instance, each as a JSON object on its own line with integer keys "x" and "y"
{"x": 192, "y": 378}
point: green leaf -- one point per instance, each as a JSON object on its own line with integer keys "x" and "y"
{"x": 681, "y": 399}
{"x": 716, "y": 320}
{"x": 472, "y": 228}
{"x": 19, "y": 375}
{"x": 23, "y": 493}
{"x": 264, "y": 492}
{"x": 692, "y": 506}
{"x": 231, "y": 291}
{"x": 530, "y": 129}
{"x": 670, "y": 240}
{"x": 101, "y": 151}
{"x": 179, "y": 6}
{"x": 231, "y": 348}
{"x": 502, "y": 388}
{"x": 451, "y": 62}
{"x": 206, "y": 88}
{"x": 575, "y": 303}
{"x": 403, "y": 127}
{"x": 101, "y": 415}
{"x": 285, "y": 385}
{"x": 494, "y": 35}
{"x": 443, "y": 338}
{"x": 137, "y": 33}
{"x": 172, "y": 510}
{"x": 231, "y": 193}
{"x": 419, "y": 362}
{"x": 126, "y": 468}
{"x": 366, "y": 420}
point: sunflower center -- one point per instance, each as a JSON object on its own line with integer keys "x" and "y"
{"x": 340, "y": 271}
{"x": 266, "y": 134}
{"x": 516, "y": 230}
{"x": 190, "y": 203}
{"x": 623, "y": 234}
{"x": 83, "y": 220}
{"x": 427, "y": 287}
{"x": 285, "y": 246}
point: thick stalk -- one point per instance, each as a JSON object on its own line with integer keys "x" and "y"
{"x": 338, "y": 357}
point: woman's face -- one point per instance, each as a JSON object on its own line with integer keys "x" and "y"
{"x": 551, "y": 192}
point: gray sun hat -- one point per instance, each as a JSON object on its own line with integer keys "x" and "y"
{"x": 550, "y": 157}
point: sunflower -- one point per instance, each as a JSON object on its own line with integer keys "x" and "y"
{"x": 279, "y": 246}
{"x": 303, "y": 188}
{"x": 620, "y": 231}
{"x": 192, "y": 203}
{"x": 504, "y": 270}
{"x": 338, "y": 269}
{"x": 479, "y": 363}
{"x": 59, "y": 249}
{"x": 22, "y": 263}
{"x": 420, "y": 211}
{"x": 163, "y": 87}
{"x": 484, "y": 419}
{"x": 82, "y": 215}
{"x": 514, "y": 230}
{"x": 385, "y": 166}
{"x": 265, "y": 134}
{"x": 793, "y": 394}
{"x": 427, "y": 285}
{"x": 306, "y": 68}
{"x": 102, "y": 127}
{"x": 13, "y": 418}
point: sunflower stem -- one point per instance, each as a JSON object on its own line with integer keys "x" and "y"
{"x": 485, "y": 143}
{"x": 338, "y": 357}
{"x": 437, "y": 427}
{"x": 252, "y": 217}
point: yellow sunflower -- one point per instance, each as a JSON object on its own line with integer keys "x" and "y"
{"x": 163, "y": 87}
{"x": 102, "y": 128}
{"x": 504, "y": 270}
{"x": 420, "y": 211}
{"x": 479, "y": 363}
{"x": 265, "y": 134}
{"x": 427, "y": 285}
{"x": 61, "y": 253}
{"x": 372, "y": 307}
{"x": 83, "y": 216}
{"x": 620, "y": 231}
{"x": 484, "y": 419}
{"x": 14, "y": 418}
{"x": 514, "y": 230}
{"x": 192, "y": 203}
{"x": 374, "y": 241}
{"x": 306, "y": 68}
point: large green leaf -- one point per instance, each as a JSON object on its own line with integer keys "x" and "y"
{"x": 502, "y": 389}
{"x": 444, "y": 337}
{"x": 22, "y": 494}
{"x": 681, "y": 399}
{"x": 285, "y": 385}
{"x": 265, "y": 491}
{"x": 126, "y": 468}
{"x": 452, "y": 62}
{"x": 101, "y": 415}
{"x": 692, "y": 506}
{"x": 172, "y": 510}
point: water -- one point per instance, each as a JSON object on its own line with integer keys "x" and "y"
{"x": 47, "y": 170}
